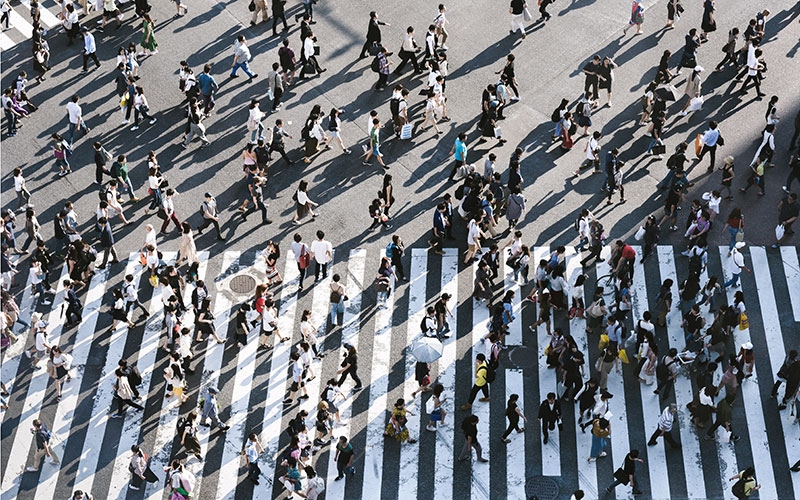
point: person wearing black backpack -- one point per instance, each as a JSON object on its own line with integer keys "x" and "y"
{"x": 745, "y": 484}
{"x": 484, "y": 375}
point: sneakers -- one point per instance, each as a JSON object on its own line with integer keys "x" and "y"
{"x": 153, "y": 121}
{"x": 135, "y": 488}
{"x": 135, "y": 127}
{"x": 124, "y": 122}
{"x": 785, "y": 190}
{"x": 429, "y": 428}
{"x": 484, "y": 400}
{"x": 31, "y": 469}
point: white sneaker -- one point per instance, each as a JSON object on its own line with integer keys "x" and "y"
{"x": 135, "y": 127}
{"x": 603, "y": 454}
{"x": 682, "y": 113}
{"x": 432, "y": 429}
{"x": 31, "y": 469}
{"x": 28, "y": 354}
{"x": 124, "y": 122}
{"x": 785, "y": 190}
{"x": 153, "y": 121}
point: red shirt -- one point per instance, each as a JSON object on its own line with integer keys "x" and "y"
{"x": 628, "y": 253}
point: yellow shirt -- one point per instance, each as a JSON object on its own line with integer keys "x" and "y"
{"x": 480, "y": 374}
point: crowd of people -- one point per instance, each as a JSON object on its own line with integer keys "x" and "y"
{"x": 482, "y": 198}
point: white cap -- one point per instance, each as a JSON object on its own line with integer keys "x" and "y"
{"x": 699, "y": 68}
{"x": 747, "y": 346}
{"x": 42, "y": 324}
{"x": 740, "y": 245}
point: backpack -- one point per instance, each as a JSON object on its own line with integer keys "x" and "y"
{"x": 696, "y": 263}
{"x": 423, "y": 326}
{"x": 394, "y": 106}
{"x": 375, "y": 66}
{"x": 738, "y": 488}
{"x": 556, "y": 116}
{"x": 579, "y": 110}
{"x": 390, "y": 250}
{"x": 662, "y": 369}
{"x": 134, "y": 377}
{"x": 182, "y": 423}
{"x": 58, "y": 231}
{"x": 45, "y": 432}
{"x": 490, "y": 373}
{"x": 103, "y": 194}
{"x": 460, "y": 192}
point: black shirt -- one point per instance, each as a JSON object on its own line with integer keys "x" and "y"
{"x": 788, "y": 210}
{"x": 592, "y": 67}
{"x": 470, "y": 429}
{"x": 517, "y": 6}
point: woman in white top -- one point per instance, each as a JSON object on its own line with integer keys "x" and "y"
{"x": 314, "y": 484}
{"x": 304, "y": 203}
{"x": 132, "y": 65}
{"x": 305, "y": 358}
{"x": 154, "y": 183}
{"x": 714, "y": 198}
{"x": 149, "y": 238}
{"x": 254, "y": 124}
{"x": 334, "y": 129}
{"x": 315, "y": 136}
{"x": 118, "y": 310}
{"x": 309, "y": 332}
{"x": 60, "y": 363}
{"x": 430, "y": 112}
{"x": 188, "y": 250}
{"x": 140, "y": 106}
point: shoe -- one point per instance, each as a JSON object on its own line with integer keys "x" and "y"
{"x": 135, "y": 127}
{"x": 365, "y": 163}
{"x": 785, "y": 190}
{"x": 484, "y": 400}
{"x": 483, "y": 460}
{"x": 116, "y": 415}
{"x": 338, "y": 478}
{"x": 781, "y": 407}
{"x": 31, "y": 469}
{"x": 506, "y": 441}
{"x": 637, "y": 492}
{"x": 651, "y": 443}
{"x": 358, "y": 388}
{"x": 153, "y": 121}
{"x": 135, "y": 488}
{"x": 603, "y": 454}
{"x": 466, "y": 406}
{"x": 544, "y": 441}
{"x": 124, "y": 122}
{"x": 268, "y": 221}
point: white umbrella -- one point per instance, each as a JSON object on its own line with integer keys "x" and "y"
{"x": 427, "y": 349}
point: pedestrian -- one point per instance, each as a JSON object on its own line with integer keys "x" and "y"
{"x": 196, "y": 127}
{"x": 398, "y": 424}
{"x": 210, "y": 215}
{"x": 241, "y": 56}
{"x": 140, "y": 469}
{"x": 601, "y": 430}
{"x": 437, "y": 411}
{"x": 790, "y": 374}
{"x": 408, "y": 52}
{"x": 637, "y": 18}
{"x": 627, "y": 473}
{"x": 322, "y": 252}
{"x": 374, "y": 144}
{"x": 736, "y": 265}
{"x": 252, "y": 451}
{"x": 75, "y": 118}
{"x": 482, "y": 375}
{"x": 767, "y": 147}
{"x": 58, "y": 368}
{"x": 665, "y": 423}
{"x": 123, "y": 394}
{"x": 148, "y": 42}
{"x": 308, "y": 56}
{"x": 275, "y": 88}
{"x": 107, "y": 242}
{"x": 469, "y": 426}
{"x": 74, "y": 306}
{"x": 788, "y": 211}
{"x": 373, "y": 34}
{"x": 89, "y": 49}
{"x": 349, "y": 366}
{"x": 298, "y": 379}
{"x": 43, "y": 447}
{"x": 550, "y": 415}
{"x": 745, "y": 484}
{"x": 755, "y": 66}
{"x": 513, "y": 414}
{"x": 344, "y": 457}
{"x": 724, "y": 417}
{"x": 674, "y": 11}
{"x": 517, "y": 11}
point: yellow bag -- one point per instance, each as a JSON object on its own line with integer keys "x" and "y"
{"x": 154, "y": 280}
{"x": 547, "y": 350}
{"x": 604, "y": 340}
{"x": 124, "y": 100}
{"x": 744, "y": 323}
{"x": 623, "y": 355}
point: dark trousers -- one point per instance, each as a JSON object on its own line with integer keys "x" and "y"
{"x": 106, "y": 251}
{"x": 282, "y": 150}
{"x": 794, "y": 137}
{"x": 259, "y": 204}
{"x": 135, "y": 303}
{"x": 367, "y": 45}
{"x": 755, "y": 79}
{"x": 208, "y": 103}
{"x": 74, "y": 310}
{"x": 454, "y": 170}
{"x": 717, "y": 423}
{"x": 253, "y": 471}
{"x": 149, "y": 476}
{"x": 591, "y": 83}
{"x": 311, "y": 61}
{"x": 276, "y": 101}
{"x": 664, "y": 387}
{"x": 275, "y": 17}
{"x": 172, "y": 217}
{"x": 140, "y": 111}
{"x": 398, "y": 266}
{"x": 352, "y": 372}
{"x": 93, "y": 56}
{"x": 382, "y": 80}
{"x": 513, "y": 424}
{"x": 474, "y": 392}
{"x": 667, "y": 437}
{"x": 617, "y": 482}
{"x": 543, "y": 9}
{"x": 711, "y": 150}
{"x": 342, "y": 468}
{"x": 128, "y": 107}
{"x": 406, "y": 56}
{"x": 209, "y": 222}
{"x": 550, "y": 425}
{"x": 122, "y": 402}
{"x": 320, "y": 267}
{"x": 302, "y": 274}
{"x": 436, "y": 242}
{"x": 729, "y": 57}
{"x": 11, "y": 120}
{"x": 4, "y": 19}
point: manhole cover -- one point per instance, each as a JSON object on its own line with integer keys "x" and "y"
{"x": 242, "y": 284}
{"x": 541, "y": 487}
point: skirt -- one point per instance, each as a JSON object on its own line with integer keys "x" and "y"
{"x": 311, "y": 146}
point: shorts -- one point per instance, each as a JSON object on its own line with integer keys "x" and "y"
{"x": 321, "y": 427}
{"x": 376, "y": 151}
{"x": 287, "y": 67}
{"x": 266, "y": 333}
{"x": 473, "y": 248}
{"x": 41, "y": 354}
{"x": 334, "y": 134}
{"x": 297, "y": 385}
{"x": 436, "y": 415}
{"x": 109, "y": 13}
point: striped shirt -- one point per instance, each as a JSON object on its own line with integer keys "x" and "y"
{"x": 665, "y": 420}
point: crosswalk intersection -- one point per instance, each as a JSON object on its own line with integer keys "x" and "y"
{"x": 94, "y": 448}
{"x": 20, "y": 28}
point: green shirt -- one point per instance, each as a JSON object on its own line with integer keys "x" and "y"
{"x": 120, "y": 170}
{"x": 374, "y": 136}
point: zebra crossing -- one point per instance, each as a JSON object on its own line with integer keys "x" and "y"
{"x": 93, "y": 448}
{"x": 20, "y": 28}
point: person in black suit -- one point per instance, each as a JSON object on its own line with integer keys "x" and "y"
{"x": 373, "y": 33}
{"x": 550, "y": 415}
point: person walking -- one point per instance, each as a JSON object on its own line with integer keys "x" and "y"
{"x": 667, "y": 373}
{"x": 131, "y": 296}
{"x": 43, "y": 436}
{"x": 513, "y": 414}
{"x": 790, "y": 374}
{"x": 75, "y": 119}
{"x": 373, "y": 34}
{"x": 437, "y": 413}
{"x": 344, "y": 457}
{"x": 241, "y": 56}
{"x": 275, "y": 86}
{"x": 627, "y": 473}
{"x": 252, "y": 451}
{"x": 550, "y": 415}
{"x": 89, "y": 49}
{"x": 74, "y": 306}
{"x": 141, "y": 107}
{"x": 349, "y": 366}
{"x": 302, "y": 257}
{"x": 736, "y": 265}
{"x": 58, "y": 368}
{"x": 788, "y": 211}
{"x": 321, "y": 251}
{"x": 140, "y": 469}
{"x": 408, "y": 52}
{"x": 745, "y": 484}
{"x": 308, "y": 56}
{"x": 517, "y": 11}
{"x": 710, "y": 140}
{"x": 208, "y": 87}
{"x": 665, "y": 423}
{"x": 724, "y": 417}
{"x": 481, "y": 384}
{"x": 148, "y": 41}
{"x": 469, "y": 426}
{"x": 278, "y": 144}
{"x": 397, "y": 427}
{"x": 107, "y": 242}
{"x": 375, "y": 144}
{"x": 210, "y": 215}
{"x": 601, "y": 430}
{"x": 168, "y": 206}
{"x": 196, "y": 127}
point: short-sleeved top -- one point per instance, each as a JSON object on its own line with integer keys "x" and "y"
{"x": 251, "y": 451}
{"x": 74, "y": 111}
{"x": 320, "y": 249}
{"x": 473, "y": 232}
{"x": 788, "y": 210}
{"x": 517, "y": 6}
{"x": 592, "y": 67}
{"x": 736, "y": 262}
{"x": 460, "y": 150}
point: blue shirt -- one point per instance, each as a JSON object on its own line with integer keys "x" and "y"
{"x": 461, "y": 150}
{"x": 438, "y": 221}
{"x": 206, "y": 83}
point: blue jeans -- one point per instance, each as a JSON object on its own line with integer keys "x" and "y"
{"x": 244, "y": 67}
{"x": 255, "y": 134}
{"x": 598, "y": 444}
{"x": 733, "y": 232}
{"x": 733, "y": 281}
{"x": 653, "y": 142}
{"x": 336, "y": 309}
{"x": 667, "y": 182}
{"x": 71, "y": 132}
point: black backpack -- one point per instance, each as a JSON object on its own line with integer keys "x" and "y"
{"x": 662, "y": 369}
{"x": 134, "y": 377}
{"x": 375, "y": 66}
{"x": 423, "y": 327}
{"x": 182, "y": 423}
{"x": 58, "y": 230}
{"x": 738, "y": 488}
{"x": 696, "y": 263}
{"x": 490, "y": 374}
{"x": 103, "y": 194}
{"x": 556, "y": 116}
{"x": 394, "y": 106}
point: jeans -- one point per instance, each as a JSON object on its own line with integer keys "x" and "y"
{"x": 257, "y": 133}
{"x": 467, "y": 451}
{"x": 71, "y": 132}
{"x": 598, "y": 444}
{"x": 733, "y": 232}
{"x": 732, "y": 282}
{"x": 11, "y": 119}
{"x": 156, "y": 201}
{"x": 336, "y": 309}
{"x": 653, "y": 142}
{"x": 244, "y": 67}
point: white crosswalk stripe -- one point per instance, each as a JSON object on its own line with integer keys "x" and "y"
{"x": 635, "y": 408}
{"x": 20, "y": 28}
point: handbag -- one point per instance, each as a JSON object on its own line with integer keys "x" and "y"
{"x": 316, "y": 50}
{"x": 639, "y": 234}
{"x": 740, "y": 233}
{"x": 498, "y": 132}
{"x": 526, "y": 15}
{"x": 696, "y": 103}
{"x": 405, "y": 132}
{"x": 161, "y": 214}
{"x": 309, "y": 69}
{"x": 595, "y": 310}
{"x": 659, "y": 149}
{"x": 698, "y": 144}
{"x": 780, "y": 230}
{"x": 305, "y": 259}
{"x": 744, "y": 323}
{"x": 153, "y": 279}
{"x": 252, "y": 6}
{"x": 374, "y": 49}
{"x": 620, "y": 476}
{"x": 604, "y": 340}
{"x": 143, "y": 259}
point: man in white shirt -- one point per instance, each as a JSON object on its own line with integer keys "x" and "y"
{"x": 322, "y": 253}
{"x": 241, "y": 56}
{"x": 75, "y": 118}
{"x": 665, "y": 422}
{"x": 89, "y": 49}
{"x": 131, "y": 296}
{"x": 169, "y": 208}
{"x": 408, "y": 52}
{"x": 592, "y": 151}
{"x": 710, "y": 140}
{"x": 307, "y": 56}
{"x": 736, "y": 265}
{"x": 474, "y": 234}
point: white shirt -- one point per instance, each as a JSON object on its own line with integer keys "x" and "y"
{"x": 408, "y": 43}
{"x": 752, "y": 60}
{"x": 321, "y": 250}
{"x": 736, "y": 262}
{"x": 74, "y": 111}
{"x": 88, "y": 43}
{"x": 242, "y": 52}
{"x": 140, "y": 100}
{"x": 666, "y": 419}
{"x": 169, "y": 207}
{"x": 297, "y": 371}
{"x": 251, "y": 450}
{"x": 308, "y": 47}
{"x": 19, "y": 183}
{"x": 591, "y": 146}
{"x": 473, "y": 231}
{"x": 297, "y": 250}
{"x": 41, "y": 338}
{"x": 150, "y": 239}
{"x": 130, "y": 292}
{"x": 302, "y": 198}
{"x": 267, "y": 317}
